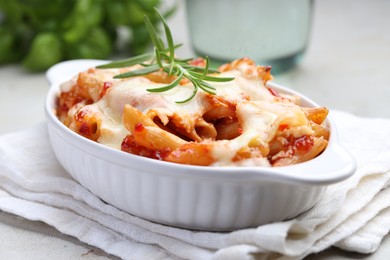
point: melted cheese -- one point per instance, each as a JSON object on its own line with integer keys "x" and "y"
{"x": 133, "y": 91}
{"x": 258, "y": 111}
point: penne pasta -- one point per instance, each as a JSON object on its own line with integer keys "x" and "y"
{"x": 192, "y": 153}
{"x": 317, "y": 114}
{"x": 87, "y": 124}
{"x": 132, "y": 117}
{"x": 320, "y": 131}
{"x": 218, "y": 108}
{"x": 294, "y": 154}
{"x": 205, "y": 130}
{"x": 155, "y": 138}
{"x": 227, "y": 128}
{"x": 146, "y": 133}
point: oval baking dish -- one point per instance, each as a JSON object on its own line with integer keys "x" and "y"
{"x": 195, "y": 197}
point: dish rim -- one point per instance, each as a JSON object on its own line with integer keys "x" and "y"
{"x": 327, "y": 173}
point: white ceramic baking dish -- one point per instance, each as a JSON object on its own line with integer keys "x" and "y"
{"x": 195, "y": 197}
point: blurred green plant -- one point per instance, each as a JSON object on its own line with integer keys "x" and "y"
{"x": 41, "y": 33}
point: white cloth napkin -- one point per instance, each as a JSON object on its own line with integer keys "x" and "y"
{"x": 353, "y": 215}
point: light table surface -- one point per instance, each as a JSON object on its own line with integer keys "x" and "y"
{"x": 346, "y": 67}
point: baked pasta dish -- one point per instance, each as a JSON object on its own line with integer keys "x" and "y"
{"x": 245, "y": 123}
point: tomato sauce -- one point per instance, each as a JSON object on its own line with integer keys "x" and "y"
{"x": 130, "y": 146}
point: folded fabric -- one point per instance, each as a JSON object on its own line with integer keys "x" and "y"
{"x": 353, "y": 215}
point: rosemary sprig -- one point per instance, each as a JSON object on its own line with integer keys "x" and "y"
{"x": 163, "y": 58}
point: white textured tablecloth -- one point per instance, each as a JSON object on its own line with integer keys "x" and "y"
{"x": 353, "y": 215}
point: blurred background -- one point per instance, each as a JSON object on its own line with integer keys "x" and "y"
{"x": 41, "y": 33}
